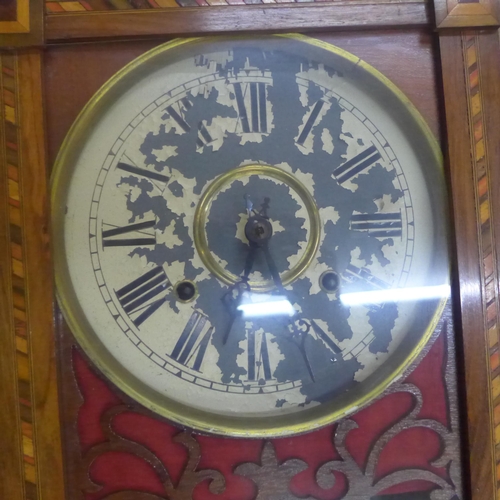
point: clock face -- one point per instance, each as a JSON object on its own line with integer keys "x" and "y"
{"x": 250, "y": 233}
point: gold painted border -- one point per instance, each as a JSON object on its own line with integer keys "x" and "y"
{"x": 187, "y": 416}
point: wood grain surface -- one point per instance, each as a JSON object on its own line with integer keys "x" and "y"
{"x": 488, "y": 75}
{"x": 250, "y": 18}
{"x": 72, "y": 75}
{"x": 60, "y": 6}
{"x": 470, "y": 78}
{"x": 8, "y": 11}
{"x": 39, "y": 279}
{"x": 31, "y": 459}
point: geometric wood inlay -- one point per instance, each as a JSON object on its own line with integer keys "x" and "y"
{"x": 30, "y": 440}
{"x": 9, "y": 100}
{"x": 484, "y": 213}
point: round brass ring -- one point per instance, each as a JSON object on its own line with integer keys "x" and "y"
{"x": 202, "y": 210}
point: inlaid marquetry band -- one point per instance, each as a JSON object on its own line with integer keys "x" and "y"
{"x": 11, "y": 140}
{"x": 483, "y": 193}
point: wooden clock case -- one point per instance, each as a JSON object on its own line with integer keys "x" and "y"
{"x": 54, "y": 55}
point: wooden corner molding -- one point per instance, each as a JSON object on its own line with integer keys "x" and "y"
{"x": 467, "y": 13}
{"x": 30, "y": 440}
{"x": 21, "y": 23}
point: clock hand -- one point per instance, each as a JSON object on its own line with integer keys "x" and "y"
{"x": 262, "y": 240}
{"x": 298, "y": 337}
{"x": 259, "y": 231}
{"x": 272, "y": 268}
{"x": 230, "y": 301}
{"x": 249, "y": 205}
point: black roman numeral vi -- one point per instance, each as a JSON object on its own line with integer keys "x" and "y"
{"x": 259, "y": 362}
{"x": 143, "y": 296}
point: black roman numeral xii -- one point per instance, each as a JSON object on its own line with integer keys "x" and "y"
{"x": 252, "y": 112}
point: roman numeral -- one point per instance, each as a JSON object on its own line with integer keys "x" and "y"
{"x": 108, "y": 239}
{"x": 204, "y": 136}
{"x": 311, "y": 121}
{"x": 255, "y": 365}
{"x": 254, "y": 117}
{"x": 325, "y": 337}
{"x": 192, "y": 342}
{"x": 143, "y": 296}
{"x": 354, "y": 274}
{"x": 379, "y": 225}
{"x": 360, "y": 277}
{"x": 178, "y": 116}
{"x": 142, "y": 172}
{"x": 354, "y": 166}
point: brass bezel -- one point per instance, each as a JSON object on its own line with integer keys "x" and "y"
{"x": 294, "y": 423}
{"x": 203, "y": 208}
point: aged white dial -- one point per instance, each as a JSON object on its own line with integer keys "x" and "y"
{"x": 250, "y": 233}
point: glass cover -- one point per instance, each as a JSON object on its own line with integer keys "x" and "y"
{"x": 250, "y": 233}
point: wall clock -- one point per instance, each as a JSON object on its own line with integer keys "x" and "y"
{"x": 250, "y": 234}
{"x": 65, "y": 429}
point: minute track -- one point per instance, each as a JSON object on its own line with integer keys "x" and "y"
{"x": 313, "y": 110}
{"x": 205, "y": 140}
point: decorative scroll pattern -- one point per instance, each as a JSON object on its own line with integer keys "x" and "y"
{"x": 353, "y": 460}
{"x": 60, "y": 6}
{"x": 362, "y": 482}
{"x": 489, "y": 268}
{"x": 9, "y": 103}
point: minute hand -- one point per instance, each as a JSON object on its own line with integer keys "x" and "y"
{"x": 272, "y": 268}
{"x": 299, "y": 337}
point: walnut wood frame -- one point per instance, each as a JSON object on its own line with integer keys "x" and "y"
{"x": 31, "y": 458}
